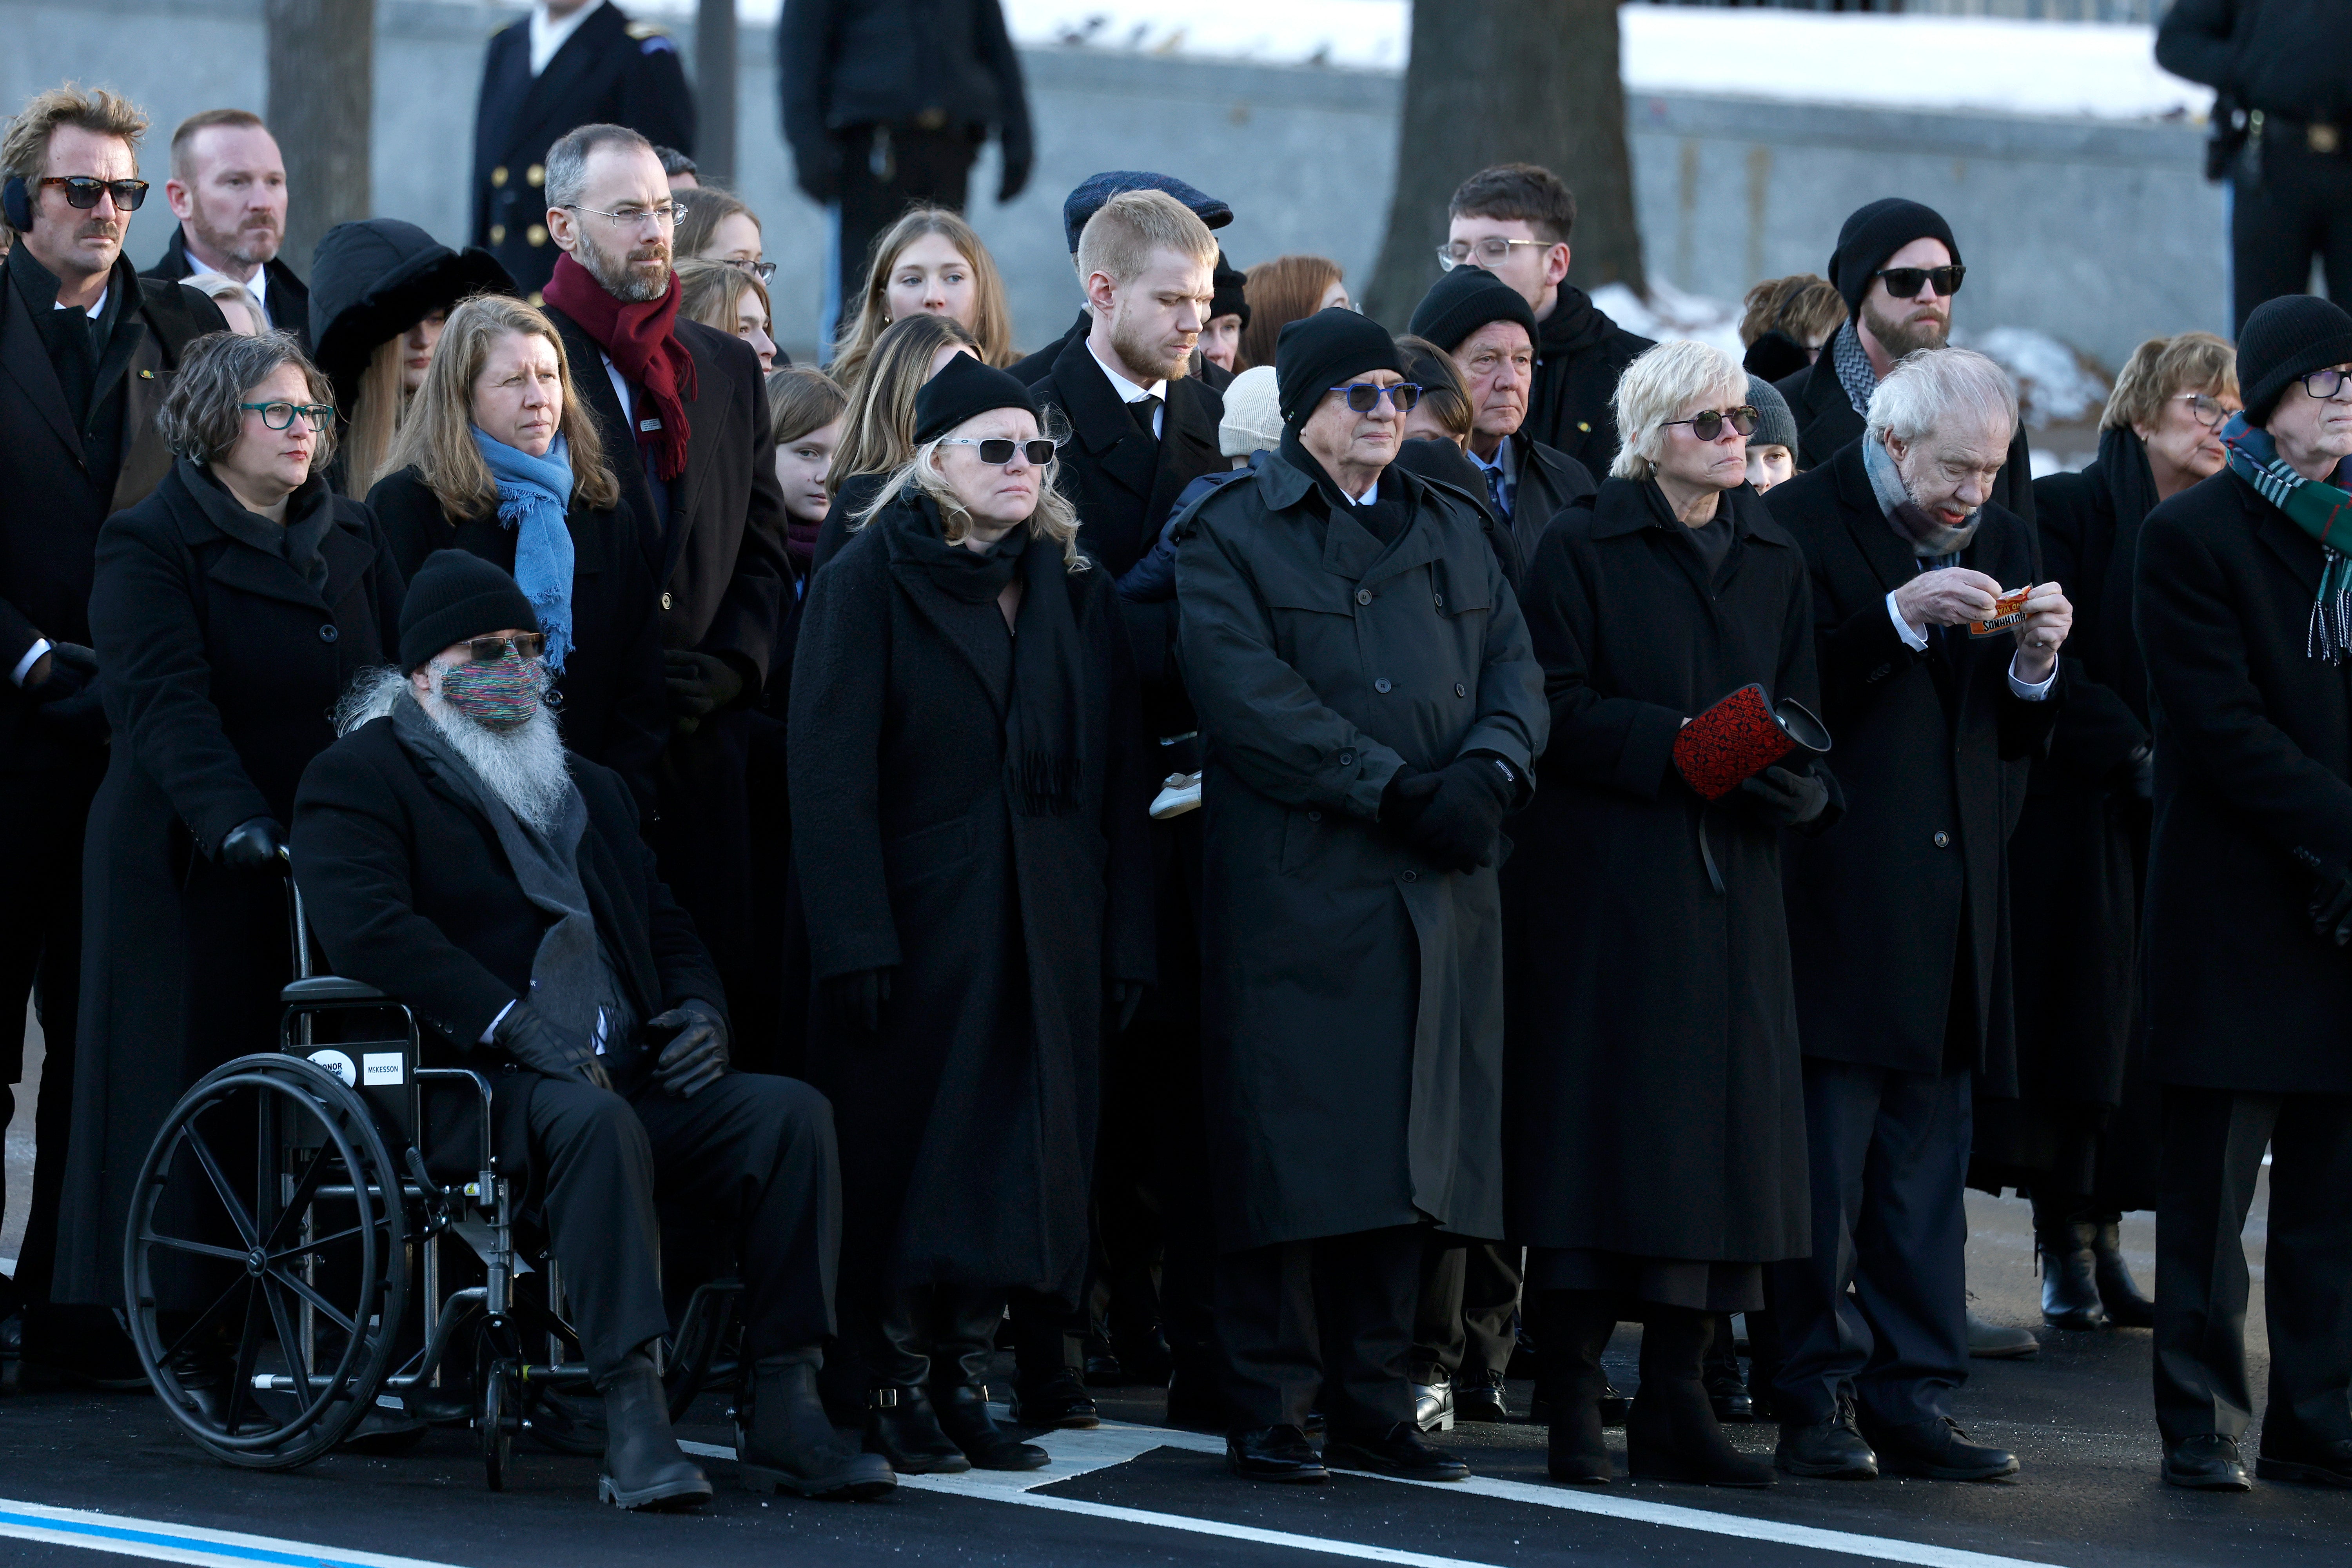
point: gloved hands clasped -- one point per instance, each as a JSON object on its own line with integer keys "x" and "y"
{"x": 1787, "y": 799}
{"x": 699, "y": 684}
{"x": 696, "y": 1054}
{"x": 537, "y": 1045}
{"x": 1455, "y": 815}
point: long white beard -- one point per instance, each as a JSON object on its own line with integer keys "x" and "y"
{"x": 524, "y": 767}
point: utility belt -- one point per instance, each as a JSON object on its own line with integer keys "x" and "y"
{"x": 2322, "y": 137}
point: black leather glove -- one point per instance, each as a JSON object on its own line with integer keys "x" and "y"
{"x": 2331, "y": 908}
{"x": 1786, "y": 799}
{"x": 67, "y": 699}
{"x": 2136, "y": 775}
{"x": 256, "y": 843}
{"x": 537, "y": 1045}
{"x": 859, "y": 996}
{"x": 1126, "y": 996}
{"x": 1458, "y": 812}
{"x": 1402, "y": 800}
{"x": 699, "y": 684}
{"x": 697, "y": 1053}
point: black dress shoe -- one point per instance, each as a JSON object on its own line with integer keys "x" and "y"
{"x": 1274, "y": 1454}
{"x": 964, "y": 1418}
{"x": 1399, "y": 1451}
{"x": 2208, "y": 1462}
{"x": 1938, "y": 1450}
{"x": 904, "y": 1429}
{"x": 1833, "y": 1451}
{"x": 1105, "y": 1370}
{"x": 1062, "y": 1402}
{"x": 1478, "y": 1396}
{"x": 2316, "y": 1464}
{"x": 1433, "y": 1403}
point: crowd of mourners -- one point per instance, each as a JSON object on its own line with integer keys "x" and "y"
{"x": 1238, "y": 851}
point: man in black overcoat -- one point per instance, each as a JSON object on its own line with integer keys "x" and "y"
{"x": 2249, "y": 911}
{"x": 1888, "y": 245}
{"x": 452, "y": 854}
{"x": 229, "y": 189}
{"x": 568, "y": 63}
{"x": 683, "y": 411}
{"x": 1085, "y": 200}
{"x": 87, "y": 348}
{"x": 1898, "y": 922}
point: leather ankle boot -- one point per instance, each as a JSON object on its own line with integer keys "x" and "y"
{"x": 785, "y": 1442}
{"x": 2070, "y": 1291}
{"x": 1574, "y": 1329}
{"x": 644, "y": 1466}
{"x": 901, "y": 1426}
{"x": 1671, "y": 1433}
{"x": 964, "y": 1418}
{"x": 2118, "y": 1292}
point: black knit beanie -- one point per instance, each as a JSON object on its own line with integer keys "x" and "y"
{"x": 456, "y": 595}
{"x": 1464, "y": 299}
{"x": 1228, "y": 297}
{"x": 965, "y": 388}
{"x": 1318, "y": 352}
{"x": 2285, "y": 339}
{"x": 1874, "y": 233}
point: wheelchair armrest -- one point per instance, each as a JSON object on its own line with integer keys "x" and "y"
{"x": 328, "y": 988}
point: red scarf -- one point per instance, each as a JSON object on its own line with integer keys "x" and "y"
{"x": 641, "y": 340}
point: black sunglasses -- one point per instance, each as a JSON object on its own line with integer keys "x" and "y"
{"x": 1363, "y": 396}
{"x": 1902, "y": 282}
{"x": 1706, "y": 426}
{"x": 81, "y": 191}
{"x": 998, "y": 449}
{"x": 489, "y": 650}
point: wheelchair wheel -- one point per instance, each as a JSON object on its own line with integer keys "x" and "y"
{"x": 495, "y": 1425}
{"x": 268, "y": 1193}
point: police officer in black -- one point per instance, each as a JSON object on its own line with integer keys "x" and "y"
{"x": 2282, "y": 134}
{"x": 568, "y": 63}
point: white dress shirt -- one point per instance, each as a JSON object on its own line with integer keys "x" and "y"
{"x": 1129, "y": 391}
{"x": 549, "y": 34}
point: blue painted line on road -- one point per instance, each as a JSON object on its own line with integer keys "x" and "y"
{"x": 177, "y": 1542}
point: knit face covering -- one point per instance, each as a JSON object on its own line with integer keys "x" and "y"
{"x": 499, "y": 695}
{"x": 2322, "y": 511}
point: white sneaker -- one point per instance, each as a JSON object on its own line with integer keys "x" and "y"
{"x": 1179, "y": 795}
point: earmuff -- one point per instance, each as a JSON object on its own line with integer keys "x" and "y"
{"x": 16, "y": 205}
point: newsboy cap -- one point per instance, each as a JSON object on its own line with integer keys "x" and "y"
{"x": 1095, "y": 189}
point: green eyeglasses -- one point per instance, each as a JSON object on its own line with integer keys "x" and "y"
{"x": 279, "y": 415}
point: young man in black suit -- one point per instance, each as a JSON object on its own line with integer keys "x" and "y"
{"x": 228, "y": 190}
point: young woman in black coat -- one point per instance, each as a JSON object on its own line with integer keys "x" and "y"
{"x": 230, "y": 610}
{"x": 2081, "y": 1136}
{"x": 1654, "y": 1139}
{"x": 500, "y": 458}
{"x": 969, "y": 801}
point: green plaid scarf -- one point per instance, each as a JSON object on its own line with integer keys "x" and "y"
{"x": 2321, "y": 511}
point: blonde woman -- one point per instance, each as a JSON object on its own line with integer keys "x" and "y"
{"x": 969, "y": 796}
{"x": 878, "y": 430}
{"x": 722, "y": 295}
{"x": 927, "y": 263}
{"x": 500, "y": 458}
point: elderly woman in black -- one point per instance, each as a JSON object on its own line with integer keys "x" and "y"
{"x": 968, "y": 811}
{"x": 230, "y": 610}
{"x": 1655, "y": 1143}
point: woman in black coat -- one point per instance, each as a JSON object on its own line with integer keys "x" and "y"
{"x": 230, "y": 610}
{"x": 970, "y": 800}
{"x": 1654, "y": 1141}
{"x": 2081, "y": 1136}
{"x": 500, "y": 458}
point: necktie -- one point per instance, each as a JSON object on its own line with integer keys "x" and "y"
{"x": 1142, "y": 409}
{"x": 1495, "y": 492}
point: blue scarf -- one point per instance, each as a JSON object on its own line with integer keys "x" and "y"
{"x": 534, "y": 493}
{"x": 2322, "y": 511}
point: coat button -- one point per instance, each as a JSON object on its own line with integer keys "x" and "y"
{"x": 1347, "y": 759}
{"x": 1460, "y": 690}
{"x": 497, "y": 233}
{"x": 1441, "y": 601}
{"x": 1943, "y": 841}
{"x": 1413, "y": 875}
{"x": 665, "y": 601}
{"x": 1381, "y": 685}
{"x": 1314, "y": 816}
{"x": 1363, "y": 595}
{"x": 329, "y": 633}
{"x": 1882, "y": 672}
{"x": 536, "y": 235}
{"x": 498, "y": 177}
{"x": 536, "y": 175}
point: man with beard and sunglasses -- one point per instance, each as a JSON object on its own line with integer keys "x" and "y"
{"x": 228, "y": 190}
{"x": 683, "y": 411}
{"x": 87, "y": 348}
{"x": 1898, "y": 267}
{"x": 453, "y": 855}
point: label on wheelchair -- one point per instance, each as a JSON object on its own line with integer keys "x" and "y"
{"x": 339, "y": 1063}
{"x": 378, "y": 1069}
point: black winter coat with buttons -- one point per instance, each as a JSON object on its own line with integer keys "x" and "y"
{"x": 1906, "y": 905}
{"x": 224, "y": 664}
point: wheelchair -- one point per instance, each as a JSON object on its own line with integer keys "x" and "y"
{"x": 290, "y": 1190}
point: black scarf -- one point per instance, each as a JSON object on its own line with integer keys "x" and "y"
{"x": 310, "y": 512}
{"x": 1385, "y": 518}
{"x": 1045, "y": 750}
{"x": 1575, "y": 324}
{"x": 2124, "y": 468}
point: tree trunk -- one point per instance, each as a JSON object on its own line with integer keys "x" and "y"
{"x": 1509, "y": 81}
{"x": 321, "y": 101}
{"x": 714, "y": 90}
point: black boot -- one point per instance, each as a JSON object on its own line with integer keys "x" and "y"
{"x": 1726, "y": 1390}
{"x": 964, "y": 1418}
{"x": 785, "y": 1442}
{"x": 1574, "y": 1326}
{"x": 903, "y": 1428}
{"x": 644, "y": 1466}
{"x": 2070, "y": 1293}
{"x": 1671, "y": 1433}
{"x": 2118, "y": 1292}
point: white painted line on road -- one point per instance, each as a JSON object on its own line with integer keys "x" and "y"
{"x": 161, "y": 1542}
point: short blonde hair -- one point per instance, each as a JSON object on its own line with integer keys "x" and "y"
{"x": 24, "y": 149}
{"x": 1654, "y": 389}
{"x": 1056, "y": 519}
{"x": 2162, "y": 368}
{"x": 1118, "y": 240}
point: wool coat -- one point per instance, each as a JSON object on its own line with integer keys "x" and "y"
{"x": 2254, "y": 799}
{"x": 1580, "y": 354}
{"x": 1654, "y": 1100}
{"x": 222, "y": 667}
{"x": 968, "y": 1125}
{"x": 609, "y": 697}
{"x": 1899, "y": 922}
{"x": 1353, "y": 1016}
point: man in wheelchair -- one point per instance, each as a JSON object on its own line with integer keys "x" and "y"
{"x": 453, "y": 855}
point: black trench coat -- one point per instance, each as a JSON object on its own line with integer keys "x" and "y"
{"x": 968, "y": 1124}
{"x": 1353, "y": 1020}
{"x": 222, "y": 667}
{"x": 1655, "y": 1103}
